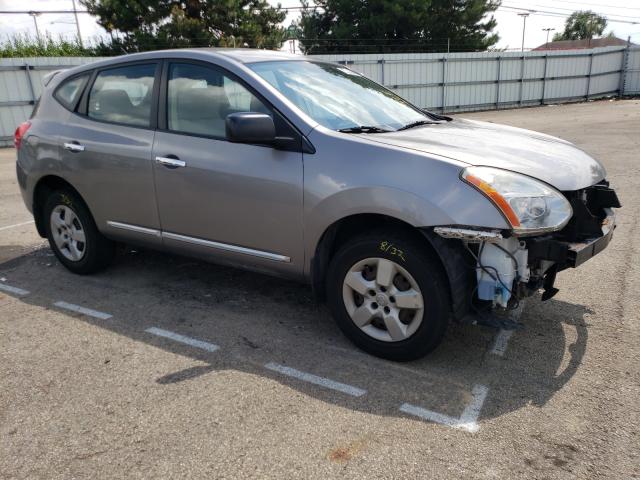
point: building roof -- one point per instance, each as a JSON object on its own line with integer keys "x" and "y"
{"x": 585, "y": 43}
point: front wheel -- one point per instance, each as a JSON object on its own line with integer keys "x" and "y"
{"x": 73, "y": 235}
{"x": 389, "y": 295}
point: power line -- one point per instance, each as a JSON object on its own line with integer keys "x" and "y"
{"x": 546, "y": 13}
{"x": 39, "y": 12}
{"x": 593, "y": 5}
{"x": 572, "y": 10}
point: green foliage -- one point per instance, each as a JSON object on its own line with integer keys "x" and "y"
{"x": 43, "y": 46}
{"x": 397, "y": 25}
{"x": 152, "y": 24}
{"x": 582, "y": 24}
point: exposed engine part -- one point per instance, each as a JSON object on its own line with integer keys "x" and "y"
{"x": 501, "y": 266}
{"x": 468, "y": 235}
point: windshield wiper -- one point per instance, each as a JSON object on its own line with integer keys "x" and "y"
{"x": 417, "y": 124}
{"x": 364, "y": 129}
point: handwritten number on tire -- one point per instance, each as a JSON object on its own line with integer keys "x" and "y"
{"x": 391, "y": 249}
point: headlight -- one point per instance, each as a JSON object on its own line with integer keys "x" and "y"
{"x": 529, "y": 205}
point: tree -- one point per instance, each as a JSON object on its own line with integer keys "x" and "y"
{"x": 151, "y": 24}
{"x": 397, "y": 25}
{"x": 582, "y": 24}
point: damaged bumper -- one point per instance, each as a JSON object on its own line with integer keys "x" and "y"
{"x": 571, "y": 254}
{"x": 580, "y": 252}
{"x": 509, "y": 268}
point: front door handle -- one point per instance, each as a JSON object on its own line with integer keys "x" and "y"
{"x": 171, "y": 162}
{"x": 74, "y": 147}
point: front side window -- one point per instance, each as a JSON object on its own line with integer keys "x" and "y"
{"x": 199, "y": 98}
{"x": 337, "y": 97}
{"x": 123, "y": 95}
{"x": 69, "y": 91}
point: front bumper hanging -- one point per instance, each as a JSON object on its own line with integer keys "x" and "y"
{"x": 509, "y": 268}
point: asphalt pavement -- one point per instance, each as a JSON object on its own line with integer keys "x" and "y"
{"x": 168, "y": 367}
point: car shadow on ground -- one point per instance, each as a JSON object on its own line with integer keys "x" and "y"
{"x": 256, "y": 319}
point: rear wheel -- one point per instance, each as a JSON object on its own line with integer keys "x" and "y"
{"x": 389, "y": 295}
{"x": 73, "y": 235}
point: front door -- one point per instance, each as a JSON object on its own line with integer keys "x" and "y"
{"x": 238, "y": 203}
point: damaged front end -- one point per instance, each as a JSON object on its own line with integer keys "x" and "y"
{"x": 511, "y": 266}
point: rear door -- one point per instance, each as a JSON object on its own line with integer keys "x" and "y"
{"x": 107, "y": 148}
{"x": 238, "y": 203}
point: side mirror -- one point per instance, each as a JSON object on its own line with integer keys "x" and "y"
{"x": 250, "y": 127}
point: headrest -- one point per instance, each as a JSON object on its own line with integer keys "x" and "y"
{"x": 202, "y": 103}
{"x": 114, "y": 101}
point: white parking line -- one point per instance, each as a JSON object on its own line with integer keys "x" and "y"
{"x": 15, "y": 290}
{"x": 468, "y": 420}
{"x": 209, "y": 347}
{"x": 83, "y": 310}
{"x": 469, "y": 417}
{"x": 16, "y": 225}
{"x": 316, "y": 380}
{"x": 501, "y": 342}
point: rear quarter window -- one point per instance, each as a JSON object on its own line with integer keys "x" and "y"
{"x": 69, "y": 91}
{"x": 123, "y": 95}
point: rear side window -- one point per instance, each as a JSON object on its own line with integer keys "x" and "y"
{"x": 123, "y": 95}
{"x": 70, "y": 90}
{"x": 199, "y": 99}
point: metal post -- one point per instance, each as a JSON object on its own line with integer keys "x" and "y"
{"x": 521, "y": 79}
{"x": 498, "y": 84}
{"x": 624, "y": 67}
{"x": 35, "y": 23}
{"x": 30, "y": 83}
{"x": 586, "y": 97}
{"x": 524, "y": 26}
{"x": 381, "y": 62}
{"x": 75, "y": 14}
{"x": 444, "y": 83}
{"x": 544, "y": 78}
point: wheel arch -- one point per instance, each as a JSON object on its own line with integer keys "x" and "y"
{"x": 44, "y": 186}
{"x": 449, "y": 253}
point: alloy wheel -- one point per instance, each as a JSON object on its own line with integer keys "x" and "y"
{"x": 68, "y": 233}
{"x": 383, "y": 299}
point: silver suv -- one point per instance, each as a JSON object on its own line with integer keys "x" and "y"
{"x": 400, "y": 218}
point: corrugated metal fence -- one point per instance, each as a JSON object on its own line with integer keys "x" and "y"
{"x": 475, "y": 81}
{"x": 632, "y": 72}
{"x": 438, "y": 81}
{"x": 21, "y": 85}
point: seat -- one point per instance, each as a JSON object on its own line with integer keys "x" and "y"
{"x": 201, "y": 111}
{"x": 114, "y": 105}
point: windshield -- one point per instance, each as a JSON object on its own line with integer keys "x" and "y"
{"x": 337, "y": 97}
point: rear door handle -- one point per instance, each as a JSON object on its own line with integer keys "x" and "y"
{"x": 74, "y": 147}
{"x": 171, "y": 162}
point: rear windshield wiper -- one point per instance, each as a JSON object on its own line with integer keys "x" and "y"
{"x": 364, "y": 129}
{"x": 417, "y": 124}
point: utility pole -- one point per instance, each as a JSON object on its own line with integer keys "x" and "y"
{"x": 35, "y": 22}
{"x": 548, "y": 30}
{"x": 235, "y": 24}
{"x": 524, "y": 26}
{"x": 75, "y": 14}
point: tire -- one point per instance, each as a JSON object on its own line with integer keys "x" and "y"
{"x": 73, "y": 235}
{"x": 404, "y": 329}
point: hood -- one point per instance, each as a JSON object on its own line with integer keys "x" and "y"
{"x": 552, "y": 160}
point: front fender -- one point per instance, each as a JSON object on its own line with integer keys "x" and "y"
{"x": 462, "y": 205}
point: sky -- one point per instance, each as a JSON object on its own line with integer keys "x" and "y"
{"x": 509, "y": 23}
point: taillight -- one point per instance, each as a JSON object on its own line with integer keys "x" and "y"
{"x": 20, "y": 132}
